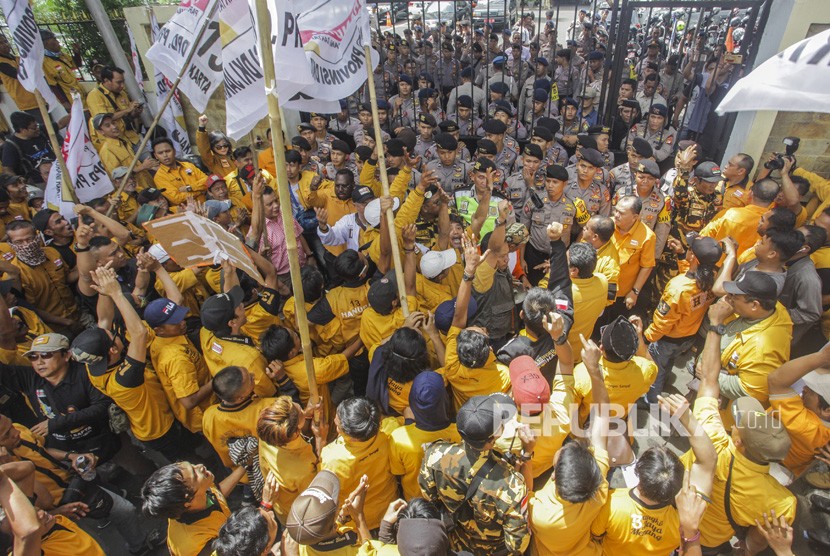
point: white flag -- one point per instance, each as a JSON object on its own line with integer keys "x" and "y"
{"x": 333, "y": 34}
{"x": 86, "y": 170}
{"x": 172, "y": 119}
{"x": 245, "y": 101}
{"x": 174, "y": 43}
{"x": 136, "y": 65}
{"x": 26, "y": 35}
{"x": 53, "y": 196}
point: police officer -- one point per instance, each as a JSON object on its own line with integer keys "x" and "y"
{"x": 340, "y": 152}
{"x": 467, "y": 199}
{"x": 656, "y": 211}
{"x": 515, "y": 130}
{"x": 538, "y": 212}
{"x": 544, "y": 135}
{"x": 482, "y": 491}
{"x": 622, "y": 176}
{"x": 451, "y": 172}
{"x": 660, "y": 138}
{"x": 602, "y": 136}
{"x": 449, "y": 126}
{"x": 426, "y": 128}
{"x": 495, "y": 130}
{"x": 585, "y": 183}
{"x": 498, "y": 91}
{"x": 531, "y": 177}
{"x": 468, "y": 123}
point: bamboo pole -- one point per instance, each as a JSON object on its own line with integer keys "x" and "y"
{"x": 384, "y": 181}
{"x": 278, "y": 144}
{"x": 67, "y": 187}
{"x": 163, "y": 106}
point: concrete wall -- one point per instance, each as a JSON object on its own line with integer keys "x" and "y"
{"x": 757, "y": 133}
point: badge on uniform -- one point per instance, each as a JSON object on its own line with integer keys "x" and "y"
{"x": 663, "y": 308}
{"x": 217, "y": 348}
{"x": 634, "y": 243}
{"x": 669, "y": 139}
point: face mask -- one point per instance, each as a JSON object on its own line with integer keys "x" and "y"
{"x": 30, "y": 252}
{"x": 51, "y": 53}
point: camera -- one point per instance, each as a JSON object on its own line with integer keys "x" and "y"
{"x": 777, "y": 163}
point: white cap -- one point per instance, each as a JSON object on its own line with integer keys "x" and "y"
{"x": 434, "y": 263}
{"x": 158, "y": 253}
{"x": 372, "y": 211}
{"x": 819, "y": 382}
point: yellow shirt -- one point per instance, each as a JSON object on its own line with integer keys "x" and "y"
{"x": 754, "y": 491}
{"x": 22, "y": 98}
{"x": 266, "y": 161}
{"x": 262, "y": 314}
{"x": 562, "y": 528}
{"x": 350, "y": 459}
{"x": 220, "y": 352}
{"x": 67, "y": 539}
{"x": 734, "y": 196}
{"x": 374, "y": 327}
{"x": 626, "y": 382}
{"x": 315, "y": 332}
{"x": 60, "y": 72}
{"x": 807, "y": 430}
{"x": 221, "y": 424}
{"x": 608, "y": 263}
{"x": 431, "y": 294}
{"x": 590, "y": 296}
{"x": 628, "y": 526}
{"x": 35, "y": 326}
{"x": 192, "y": 290}
{"x": 406, "y": 453}
{"x": 101, "y": 100}
{"x": 183, "y": 174}
{"x": 635, "y": 249}
{"x": 191, "y": 533}
{"x": 294, "y": 466}
{"x": 759, "y": 350}
{"x": 32, "y": 448}
{"x": 346, "y": 304}
{"x": 681, "y": 309}
{"x": 221, "y": 165}
{"x": 326, "y": 369}
{"x": 182, "y": 371}
{"x": 467, "y": 382}
{"x": 119, "y": 152}
{"x": 45, "y": 286}
{"x": 821, "y": 259}
{"x": 741, "y": 224}
{"x": 143, "y": 401}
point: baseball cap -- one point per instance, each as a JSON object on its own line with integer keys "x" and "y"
{"x": 372, "y": 211}
{"x": 34, "y": 192}
{"x": 435, "y": 262}
{"x": 445, "y": 312}
{"x": 707, "y": 250}
{"x": 529, "y": 386}
{"x": 158, "y": 253}
{"x": 98, "y": 119}
{"x": 755, "y": 284}
{"x": 427, "y": 400}
{"x": 648, "y": 166}
{"x": 119, "y": 172}
{"x": 91, "y": 348}
{"x": 589, "y": 92}
{"x": 214, "y": 208}
{"x": 819, "y": 382}
{"x": 382, "y": 293}
{"x": 620, "y": 338}
{"x": 314, "y": 512}
{"x": 218, "y": 309}
{"x": 517, "y": 234}
{"x": 763, "y": 436}
{"x": 212, "y": 179}
{"x": 707, "y": 171}
{"x": 481, "y": 417}
{"x": 362, "y": 194}
{"x": 41, "y": 219}
{"x": 47, "y": 343}
{"x": 163, "y": 311}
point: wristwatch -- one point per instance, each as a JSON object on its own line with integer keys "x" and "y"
{"x": 468, "y": 277}
{"x": 720, "y": 329}
{"x": 526, "y": 457}
{"x": 636, "y": 291}
{"x": 78, "y": 249}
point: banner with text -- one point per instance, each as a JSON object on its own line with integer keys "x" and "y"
{"x": 172, "y": 119}
{"x": 139, "y": 77}
{"x": 174, "y": 43}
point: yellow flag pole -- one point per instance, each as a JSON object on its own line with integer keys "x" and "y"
{"x": 384, "y": 180}
{"x": 278, "y": 144}
{"x": 67, "y": 187}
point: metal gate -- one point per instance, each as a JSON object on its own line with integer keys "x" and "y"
{"x": 702, "y": 34}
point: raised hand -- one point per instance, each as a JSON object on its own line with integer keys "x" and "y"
{"x": 408, "y": 234}
{"x": 105, "y": 282}
{"x": 590, "y": 353}
{"x": 554, "y": 324}
{"x": 555, "y": 230}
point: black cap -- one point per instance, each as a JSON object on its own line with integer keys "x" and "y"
{"x": 427, "y": 119}
{"x": 340, "y": 145}
{"x": 446, "y": 141}
{"x": 448, "y": 126}
{"x": 540, "y": 95}
{"x": 306, "y": 127}
{"x": 91, "y": 348}
{"x": 481, "y": 417}
{"x": 755, "y": 284}
{"x": 707, "y": 171}
{"x": 362, "y": 194}
{"x": 620, "y": 338}
{"x": 586, "y": 141}
{"x": 571, "y": 101}
{"x": 218, "y": 309}
{"x": 595, "y": 55}
{"x": 706, "y": 250}
{"x": 592, "y": 157}
{"x": 599, "y": 130}
{"x": 659, "y": 109}
{"x": 382, "y": 293}
{"x": 531, "y": 149}
{"x": 363, "y": 152}
{"x": 405, "y": 78}
{"x": 642, "y": 147}
{"x": 543, "y": 133}
{"x": 394, "y": 147}
{"x": 494, "y": 126}
{"x": 485, "y": 146}
{"x": 556, "y": 172}
{"x": 648, "y": 166}
{"x": 465, "y": 101}
{"x": 483, "y": 164}
{"x": 149, "y": 194}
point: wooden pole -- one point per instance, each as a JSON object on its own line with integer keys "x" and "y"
{"x": 67, "y": 187}
{"x": 278, "y": 144}
{"x": 163, "y": 107}
{"x": 384, "y": 181}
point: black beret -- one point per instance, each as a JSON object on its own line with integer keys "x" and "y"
{"x": 543, "y": 133}
{"x": 592, "y": 157}
{"x": 483, "y": 164}
{"x": 556, "y": 172}
{"x": 446, "y": 141}
{"x": 485, "y": 146}
{"x": 494, "y": 126}
{"x": 534, "y": 150}
{"x": 394, "y": 147}
{"x": 642, "y": 147}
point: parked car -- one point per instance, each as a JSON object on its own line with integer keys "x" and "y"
{"x": 398, "y": 10}
{"x": 445, "y": 12}
{"x": 495, "y": 13}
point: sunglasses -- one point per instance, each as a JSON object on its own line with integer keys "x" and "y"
{"x": 41, "y": 355}
{"x": 223, "y": 146}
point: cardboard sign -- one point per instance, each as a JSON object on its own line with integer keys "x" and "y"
{"x": 193, "y": 240}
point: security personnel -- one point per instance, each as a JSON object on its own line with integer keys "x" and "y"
{"x": 468, "y": 123}
{"x": 656, "y": 209}
{"x": 452, "y": 173}
{"x": 495, "y": 130}
{"x": 622, "y": 176}
{"x": 602, "y": 136}
{"x": 340, "y": 152}
{"x": 451, "y": 127}
{"x": 545, "y": 136}
{"x": 485, "y": 493}
{"x": 426, "y": 128}
{"x": 467, "y": 200}
{"x": 515, "y": 130}
{"x": 660, "y": 138}
{"x": 556, "y": 206}
{"x": 585, "y": 183}
{"x": 569, "y": 124}
{"x": 530, "y": 177}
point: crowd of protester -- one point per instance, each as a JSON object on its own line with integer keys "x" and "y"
{"x": 556, "y": 273}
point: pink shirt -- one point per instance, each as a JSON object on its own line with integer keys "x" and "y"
{"x": 279, "y": 249}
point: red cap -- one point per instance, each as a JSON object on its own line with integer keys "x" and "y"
{"x": 529, "y": 385}
{"x": 213, "y": 178}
